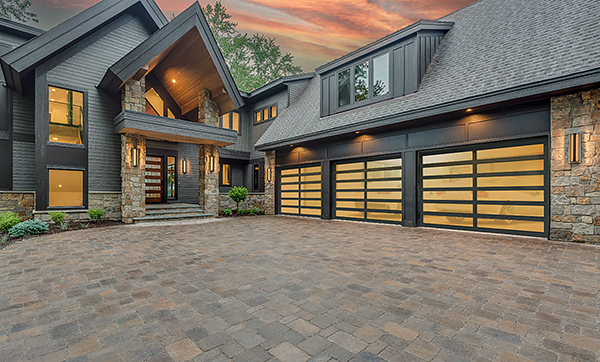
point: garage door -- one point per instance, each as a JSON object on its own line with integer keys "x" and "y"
{"x": 300, "y": 191}
{"x": 491, "y": 188}
{"x": 369, "y": 190}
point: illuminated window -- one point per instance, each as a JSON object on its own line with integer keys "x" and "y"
{"x": 265, "y": 114}
{"x": 65, "y": 116}
{"x": 156, "y": 106}
{"x": 171, "y": 176}
{"x": 230, "y": 120}
{"x": 66, "y": 188}
{"x": 225, "y": 174}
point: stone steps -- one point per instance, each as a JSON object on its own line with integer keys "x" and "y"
{"x": 172, "y": 212}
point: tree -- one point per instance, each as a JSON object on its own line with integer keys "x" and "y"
{"x": 17, "y": 10}
{"x": 253, "y": 60}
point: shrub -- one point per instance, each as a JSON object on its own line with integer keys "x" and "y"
{"x": 255, "y": 211}
{"x": 84, "y": 225}
{"x": 57, "y": 216}
{"x": 63, "y": 225}
{"x": 8, "y": 220}
{"x": 29, "y": 227}
{"x": 238, "y": 194}
{"x": 3, "y": 239}
{"x": 226, "y": 212}
{"x": 95, "y": 214}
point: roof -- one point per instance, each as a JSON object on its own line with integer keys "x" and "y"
{"x": 279, "y": 81}
{"x": 19, "y": 64}
{"x": 496, "y": 51}
{"x": 20, "y": 29}
{"x": 160, "y": 42}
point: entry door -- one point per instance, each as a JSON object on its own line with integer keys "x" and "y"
{"x": 369, "y": 190}
{"x": 495, "y": 187}
{"x": 154, "y": 179}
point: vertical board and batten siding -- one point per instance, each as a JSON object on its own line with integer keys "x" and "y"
{"x": 23, "y": 169}
{"x": 84, "y": 71}
{"x": 428, "y": 45}
{"x": 187, "y": 183}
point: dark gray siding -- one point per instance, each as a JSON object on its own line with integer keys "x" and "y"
{"x": 84, "y": 71}
{"x": 238, "y": 176}
{"x": 281, "y": 100}
{"x": 243, "y": 141}
{"x": 295, "y": 88}
{"x": 23, "y": 166}
{"x": 11, "y": 39}
{"x": 23, "y": 114}
{"x": 188, "y": 183}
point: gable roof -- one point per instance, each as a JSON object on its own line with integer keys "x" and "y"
{"x": 496, "y": 51}
{"x": 158, "y": 45}
{"x": 19, "y": 64}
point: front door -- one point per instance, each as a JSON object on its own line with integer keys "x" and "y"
{"x": 154, "y": 179}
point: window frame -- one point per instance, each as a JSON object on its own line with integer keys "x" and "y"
{"x": 239, "y": 130}
{"x": 370, "y": 99}
{"x": 261, "y": 110}
{"x": 83, "y": 190}
{"x": 258, "y": 187}
{"x": 221, "y": 175}
{"x": 84, "y": 116}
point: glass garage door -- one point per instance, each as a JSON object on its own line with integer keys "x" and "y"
{"x": 300, "y": 191}
{"x": 500, "y": 189}
{"x": 369, "y": 190}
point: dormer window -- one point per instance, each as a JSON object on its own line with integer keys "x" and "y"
{"x": 381, "y": 75}
{"x": 366, "y": 80}
{"x": 361, "y": 81}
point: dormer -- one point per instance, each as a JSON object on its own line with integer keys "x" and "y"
{"x": 388, "y": 68}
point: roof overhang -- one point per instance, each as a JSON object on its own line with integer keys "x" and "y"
{"x": 173, "y": 130}
{"x": 167, "y": 46}
{"x": 19, "y": 29}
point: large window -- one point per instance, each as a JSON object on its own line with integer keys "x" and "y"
{"x": 156, "y": 106}
{"x": 65, "y": 116}
{"x": 265, "y": 114}
{"x": 66, "y": 188}
{"x": 258, "y": 178}
{"x": 368, "y": 79}
{"x": 225, "y": 174}
{"x": 230, "y": 120}
{"x": 171, "y": 176}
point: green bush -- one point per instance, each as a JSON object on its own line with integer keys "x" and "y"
{"x": 29, "y": 227}
{"x": 8, "y": 220}
{"x": 226, "y": 212}
{"x": 255, "y": 211}
{"x": 95, "y": 214}
{"x": 57, "y": 216}
{"x": 238, "y": 194}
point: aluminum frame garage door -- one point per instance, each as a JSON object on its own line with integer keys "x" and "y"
{"x": 369, "y": 190}
{"x": 495, "y": 188}
{"x": 300, "y": 191}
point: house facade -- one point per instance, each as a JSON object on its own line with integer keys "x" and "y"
{"x": 484, "y": 120}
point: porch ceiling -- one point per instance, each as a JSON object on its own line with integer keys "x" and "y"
{"x": 174, "y": 130}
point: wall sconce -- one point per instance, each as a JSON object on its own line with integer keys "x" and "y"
{"x": 575, "y": 147}
{"x": 135, "y": 157}
{"x": 184, "y": 166}
{"x": 211, "y": 163}
{"x": 269, "y": 174}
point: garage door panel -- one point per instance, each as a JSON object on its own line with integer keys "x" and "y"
{"x": 300, "y": 191}
{"x": 505, "y": 191}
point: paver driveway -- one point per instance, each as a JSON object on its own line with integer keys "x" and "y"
{"x": 293, "y": 289}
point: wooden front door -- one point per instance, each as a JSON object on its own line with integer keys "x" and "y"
{"x": 154, "y": 179}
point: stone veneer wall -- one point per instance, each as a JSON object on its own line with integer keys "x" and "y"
{"x": 208, "y": 182}
{"x": 20, "y": 202}
{"x": 575, "y": 201}
{"x": 133, "y": 185}
{"x": 269, "y": 201}
{"x": 260, "y": 200}
{"x": 133, "y": 96}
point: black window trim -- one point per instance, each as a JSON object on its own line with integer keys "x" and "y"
{"x": 239, "y": 131}
{"x": 84, "y": 186}
{"x": 221, "y": 175}
{"x": 84, "y": 115}
{"x": 261, "y": 109}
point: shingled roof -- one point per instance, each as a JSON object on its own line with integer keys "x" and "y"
{"x": 496, "y": 51}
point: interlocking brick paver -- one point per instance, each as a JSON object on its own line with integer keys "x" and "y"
{"x": 278, "y": 288}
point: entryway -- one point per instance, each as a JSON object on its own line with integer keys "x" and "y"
{"x": 161, "y": 178}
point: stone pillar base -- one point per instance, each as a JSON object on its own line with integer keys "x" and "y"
{"x": 208, "y": 181}
{"x": 133, "y": 200}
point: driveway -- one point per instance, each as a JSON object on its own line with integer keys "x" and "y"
{"x": 295, "y": 289}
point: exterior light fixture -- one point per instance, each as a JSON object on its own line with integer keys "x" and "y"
{"x": 291, "y": 145}
{"x": 211, "y": 163}
{"x": 54, "y": 90}
{"x": 575, "y": 147}
{"x": 173, "y": 80}
{"x": 135, "y": 157}
{"x": 469, "y": 110}
{"x": 184, "y": 166}
{"x": 357, "y": 132}
{"x": 269, "y": 174}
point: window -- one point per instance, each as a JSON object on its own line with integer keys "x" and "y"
{"x": 368, "y": 79}
{"x": 381, "y": 75}
{"x": 225, "y": 174}
{"x": 265, "y": 114}
{"x": 361, "y": 82}
{"x": 171, "y": 176}
{"x": 156, "y": 106}
{"x": 230, "y": 120}
{"x": 65, "y": 116}
{"x": 258, "y": 178}
{"x": 66, "y": 188}
{"x": 344, "y": 88}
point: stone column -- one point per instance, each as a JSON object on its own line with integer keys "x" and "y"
{"x": 575, "y": 200}
{"x": 133, "y": 180}
{"x": 208, "y": 181}
{"x": 270, "y": 185}
{"x": 208, "y": 187}
{"x": 133, "y": 200}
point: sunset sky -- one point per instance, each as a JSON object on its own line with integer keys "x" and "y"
{"x": 314, "y": 31}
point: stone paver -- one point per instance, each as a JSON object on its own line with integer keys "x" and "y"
{"x": 295, "y": 289}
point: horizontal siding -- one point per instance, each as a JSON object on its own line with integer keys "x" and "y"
{"x": 281, "y": 99}
{"x": 84, "y": 71}
{"x": 23, "y": 114}
{"x": 23, "y": 166}
{"x": 188, "y": 183}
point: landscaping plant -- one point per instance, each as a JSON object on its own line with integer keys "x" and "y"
{"x": 255, "y": 211}
{"x": 59, "y": 219}
{"x": 3, "y": 239}
{"x": 238, "y": 194}
{"x": 8, "y": 220}
{"x": 226, "y": 212}
{"x": 29, "y": 227}
{"x": 95, "y": 214}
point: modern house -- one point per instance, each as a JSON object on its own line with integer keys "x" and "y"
{"x": 487, "y": 119}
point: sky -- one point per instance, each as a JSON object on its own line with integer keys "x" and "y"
{"x": 314, "y": 31}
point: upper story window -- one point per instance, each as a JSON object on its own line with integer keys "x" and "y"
{"x": 65, "y": 109}
{"x": 230, "y": 120}
{"x": 156, "y": 106}
{"x": 265, "y": 114}
{"x": 366, "y": 80}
